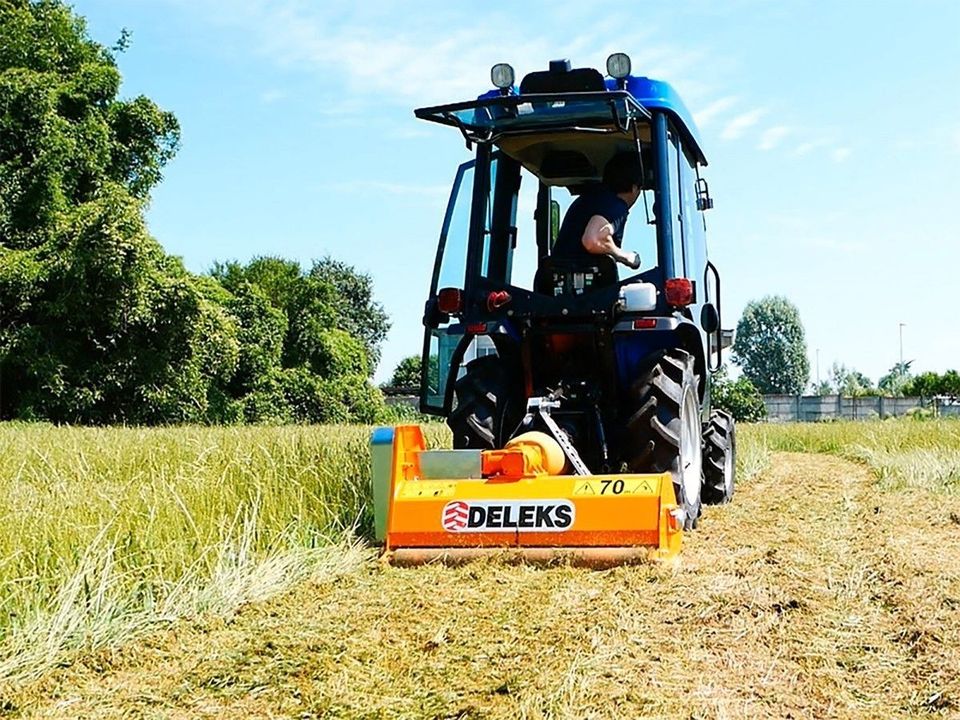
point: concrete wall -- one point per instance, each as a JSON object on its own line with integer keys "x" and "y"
{"x": 812, "y": 408}
{"x": 796, "y": 408}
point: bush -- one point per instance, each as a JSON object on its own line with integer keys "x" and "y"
{"x": 740, "y": 398}
{"x": 407, "y": 373}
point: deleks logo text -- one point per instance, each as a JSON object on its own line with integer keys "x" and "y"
{"x": 508, "y": 516}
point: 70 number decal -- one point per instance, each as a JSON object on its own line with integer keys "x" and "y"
{"x": 612, "y": 487}
{"x": 617, "y": 486}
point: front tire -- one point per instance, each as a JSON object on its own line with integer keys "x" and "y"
{"x": 719, "y": 458}
{"x": 663, "y": 433}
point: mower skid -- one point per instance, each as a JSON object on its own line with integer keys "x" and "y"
{"x": 598, "y": 521}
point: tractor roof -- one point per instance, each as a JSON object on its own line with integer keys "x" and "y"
{"x": 661, "y": 95}
{"x": 579, "y": 98}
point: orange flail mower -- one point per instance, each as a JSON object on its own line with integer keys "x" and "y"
{"x": 456, "y": 505}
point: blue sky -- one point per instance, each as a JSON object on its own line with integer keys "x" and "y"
{"x": 832, "y": 131}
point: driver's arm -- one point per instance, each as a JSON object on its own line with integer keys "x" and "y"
{"x": 598, "y": 240}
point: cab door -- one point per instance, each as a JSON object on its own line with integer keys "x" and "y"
{"x": 441, "y": 336}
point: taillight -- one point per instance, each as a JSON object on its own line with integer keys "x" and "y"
{"x": 450, "y": 301}
{"x": 497, "y": 299}
{"x": 644, "y": 323}
{"x": 679, "y": 292}
{"x": 479, "y": 328}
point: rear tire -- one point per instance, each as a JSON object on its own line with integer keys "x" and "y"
{"x": 487, "y": 403}
{"x": 719, "y": 458}
{"x": 663, "y": 433}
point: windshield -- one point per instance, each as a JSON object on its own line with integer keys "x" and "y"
{"x": 521, "y": 235}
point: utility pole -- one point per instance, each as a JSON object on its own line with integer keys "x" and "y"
{"x": 901, "y": 350}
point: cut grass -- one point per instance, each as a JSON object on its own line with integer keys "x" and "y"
{"x": 810, "y": 596}
{"x": 111, "y": 533}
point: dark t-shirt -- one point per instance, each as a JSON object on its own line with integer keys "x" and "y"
{"x": 598, "y": 201}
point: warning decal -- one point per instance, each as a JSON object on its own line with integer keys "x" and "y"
{"x": 508, "y": 516}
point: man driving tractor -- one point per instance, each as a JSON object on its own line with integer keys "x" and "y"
{"x": 595, "y": 222}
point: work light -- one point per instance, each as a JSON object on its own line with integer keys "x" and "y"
{"x": 618, "y": 65}
{"x": 501, "y": 75}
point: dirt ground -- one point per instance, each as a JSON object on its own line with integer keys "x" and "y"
{"x": 812, "y": 596}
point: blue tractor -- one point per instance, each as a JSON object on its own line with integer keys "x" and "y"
{"x": 615, "y": 365}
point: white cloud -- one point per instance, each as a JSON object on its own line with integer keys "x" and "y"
{"x": 773, "y": 136}
{"x": 704, "y": 116}
{"x": 841, "y": 153}
{"x": 805, "y": 148}
{"x": 438, "y": 54}
{"x": 741, "y": 123}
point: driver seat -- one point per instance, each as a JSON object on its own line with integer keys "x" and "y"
{"x": 558, "y": 277}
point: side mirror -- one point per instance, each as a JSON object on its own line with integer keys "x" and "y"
{"x": 709, "y": 318}
{"x": 432, "y": 315}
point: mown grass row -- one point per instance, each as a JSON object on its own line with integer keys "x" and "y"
{"x": 901, "y": 453}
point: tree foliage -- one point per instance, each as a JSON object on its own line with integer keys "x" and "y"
{"x": 931, "y": 384}
{"x": 97, "y": 323}
{"x": 738, "y": 397}
{"x": 770, "y": 346}
{"x": 407, "y": 373}
{"x": 851, "y": 382}
{"x": 896, "y": 380}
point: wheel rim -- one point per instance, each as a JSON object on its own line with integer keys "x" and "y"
{"x": 691, "y": 459}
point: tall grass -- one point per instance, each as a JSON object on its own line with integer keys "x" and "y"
{"x": 104, "y": 530}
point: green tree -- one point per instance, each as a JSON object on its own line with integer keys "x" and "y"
{"x": 331, "y": 295}
{"x": 925, "y": 384}
{"x": 738, "y": 397}
{"x": 64, "y": 134}
{"x": 357, "y": 312}
{"x": 97, "y": 323}
{"x": 770, "y": 346}
{"x": 931, "y": 384}
{"x": 823, "y": 388}
{"x": 407, "y": 373}
{"x": 896, "y": 380}
{"x": 951, "y": 384}
{"x": 318, "y": 366}
{"x": 851, "y": 382}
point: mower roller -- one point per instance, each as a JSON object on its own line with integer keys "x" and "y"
{"x": 578, "y": 400}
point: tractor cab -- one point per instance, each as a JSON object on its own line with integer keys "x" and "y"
{"x": 538, "y": 146}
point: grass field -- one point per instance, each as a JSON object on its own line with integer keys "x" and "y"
{"x": 829, "y": 588}
{"x": 104, "y": 531}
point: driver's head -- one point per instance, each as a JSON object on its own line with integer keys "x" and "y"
{"x": 623, "y": 173}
